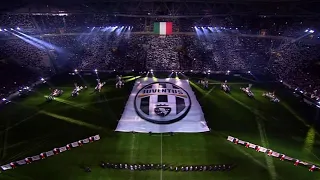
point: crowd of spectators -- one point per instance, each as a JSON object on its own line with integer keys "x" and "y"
{"x": 294, "y": 64}
{"x": 85, "y": 45}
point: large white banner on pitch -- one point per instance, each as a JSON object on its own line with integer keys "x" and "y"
{"x": 162, "y": 105}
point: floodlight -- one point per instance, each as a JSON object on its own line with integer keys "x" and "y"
{"x": 18, "y": 28}
{"x": 4, "y": 99}
{"x": 76, "y": 70}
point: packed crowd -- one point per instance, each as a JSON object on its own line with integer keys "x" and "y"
{"x": 295, "y": 64}
{"x": 89, "y": 48}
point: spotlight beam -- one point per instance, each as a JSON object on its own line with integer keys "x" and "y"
{"x": 43, "y": 43}
{"x": 39, "y": 46}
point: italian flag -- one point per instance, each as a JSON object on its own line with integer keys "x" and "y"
{"x": 162, "y": 28}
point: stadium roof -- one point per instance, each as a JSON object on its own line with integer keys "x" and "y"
{"x": 168, "y": 7}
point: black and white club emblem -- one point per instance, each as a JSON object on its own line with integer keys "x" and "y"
{"x": 162, "y": 103}
{"x": 162, "y": 110}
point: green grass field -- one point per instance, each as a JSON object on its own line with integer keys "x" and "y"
{"x": 30, "y": 126}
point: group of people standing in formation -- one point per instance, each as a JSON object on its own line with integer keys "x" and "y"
{"x": 144, "y": 167}
{"x": 270, "y": 152}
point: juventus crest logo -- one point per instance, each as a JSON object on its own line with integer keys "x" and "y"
{"x": 162, "y": 103}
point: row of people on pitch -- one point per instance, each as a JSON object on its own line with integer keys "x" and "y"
{"x": 281, "y": 156}
{"x": 143, "y": 167}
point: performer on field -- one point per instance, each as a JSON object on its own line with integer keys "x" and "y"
{"x": 257, "y": 148}
{"x": 247, "y": 144}
{"x": 119, "y": 83}
{"x": 297, "y": 162}
{"x": 312, "y": 168}
{"x": 236, "y": 140}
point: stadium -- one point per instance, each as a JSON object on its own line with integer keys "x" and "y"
{"x": 159, "y": 90}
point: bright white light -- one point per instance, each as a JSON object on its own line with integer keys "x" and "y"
{"x": 18, "y": 28}
{"x": 5, "y": 29}
{"x": 114, "y": 70}
{"x": 228, "y": 71}
{"x": 191, "y": 70}
{"x": 0, "y": 30}
{"x": 319, "y": 102}
{"x": 11, "y": 28}
{"x": 306, "y": 30}
{"x": 209, "y": 70}
{"x": 96, "y": 70}
{"x": 4, "y": 99}
{"x": 151, "y": 70}
{"x": 280, "y": 80}
{"x": 132, "y": 69}
{"x": 249, "y": 72}
{"x": 76, "y": 70}
{"x": 42, "y": 79}
{"x": 311, "y": 31}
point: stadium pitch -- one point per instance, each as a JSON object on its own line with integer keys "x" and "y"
{"x": 31, "y": 125}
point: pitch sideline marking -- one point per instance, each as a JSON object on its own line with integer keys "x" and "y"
{"x": 265, "y": 143}
{"x": 263, "y": 137}
{"x": 161, "y": 159}
{"x": 133, "y": 142}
